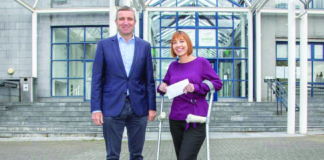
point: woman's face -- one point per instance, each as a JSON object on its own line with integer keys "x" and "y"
{"x": 180, "y": 47}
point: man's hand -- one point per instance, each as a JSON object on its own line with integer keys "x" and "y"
{"x": 151, "y": 115}
{"x": 97, "y": 118}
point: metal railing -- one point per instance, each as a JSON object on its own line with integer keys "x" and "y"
{"x": 276, "y": 88}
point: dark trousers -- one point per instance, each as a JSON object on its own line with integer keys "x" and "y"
{"x": 187, "y": 143}
{"x": 113, "y": 128}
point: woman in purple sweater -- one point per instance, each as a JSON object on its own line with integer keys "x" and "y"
{"x": 188, "y": 137}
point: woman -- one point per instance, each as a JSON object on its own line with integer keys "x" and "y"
{"x": 188, "y": 138}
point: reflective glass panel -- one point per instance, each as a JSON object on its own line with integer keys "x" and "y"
{"x": 59, "y": 35}
{"x": 76, "y": 35}
{"x": 93, "y": 34}
{"x": 165, "y": 66}
{"x": 59, "y": 69}
{"x": 156, "y": 68}
{"x": 225, "y": 53}
{"x": 241, "y": 70}
{"x": 318, "y": 51}
{"x": 240, "y": 89}
{"x": 105, "y": 32}
{"x": 90, "y": 50}
{"x": 76, "y": 87}
{"x": 207, "y": 19}
{"x": 59, "y": 52}
{"x": 59, "y": 87}
{"x": 187, "y": 19}
{"x": 318, "y": 71}
{"x": 207, "y": 53}
{"x": 76, "y": 51}
{"x": 225, "y": 38}
{"x": 76, "y": 69}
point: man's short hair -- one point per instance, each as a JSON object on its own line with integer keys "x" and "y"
{"x": 125, "y": 8}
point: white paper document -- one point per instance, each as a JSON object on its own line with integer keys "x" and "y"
{"x": 176, "y": 89}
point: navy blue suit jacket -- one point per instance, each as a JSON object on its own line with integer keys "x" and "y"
{"x": 110, "y": 81}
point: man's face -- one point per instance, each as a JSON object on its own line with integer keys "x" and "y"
{"x": 125, "y": 22}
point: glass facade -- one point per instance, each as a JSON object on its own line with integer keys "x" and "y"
{"x": 315, "y": 66}
{"x": 221, "y": 37}
{"x": 73, "y": 50}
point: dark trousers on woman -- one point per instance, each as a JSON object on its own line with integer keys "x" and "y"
{"x": 187, "y": 143}
{"x": 113, "y": 129}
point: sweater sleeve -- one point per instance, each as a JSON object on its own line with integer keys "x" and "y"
{"x": 209, "y": 74}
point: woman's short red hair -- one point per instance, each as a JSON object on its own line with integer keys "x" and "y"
{"x": 181, "y": 35}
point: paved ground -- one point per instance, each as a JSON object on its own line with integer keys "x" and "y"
{"x": 224, "y": 146}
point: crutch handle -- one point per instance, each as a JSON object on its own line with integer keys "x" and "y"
{"x": 162, "y": 116}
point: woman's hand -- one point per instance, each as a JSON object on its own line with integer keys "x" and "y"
{"x": 189, "y": 88}
{"x": 163, "y": 87}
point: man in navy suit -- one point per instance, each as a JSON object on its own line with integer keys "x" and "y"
{"x": 123, "y": 87}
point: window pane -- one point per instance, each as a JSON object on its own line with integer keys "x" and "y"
{"x": 166, "y": 52}
{"x": 59, "y": 52}
{"x": 227, "y": 90}
{"x": 59, "y": 87}
{"x": 225, "y": 19}
{"x": 187, "y": 19}
{"x": 240, "y": 89}
{"x": 164, "y": 66}
{"x": 93, "y": 34}
{"x": 282, "y": 51}
{"x": 59, "y": 69}
{"x": 318, "y": 51}
{"x": 76, "y": 69}
{"x": 90, "y": 51}
{"x": 105, "y": 32}
{"x": 76, "y": 87}
{"x": 76, "y": 51}
{"x": 225, "y": 70}
{"x": 309, "y": 52}
{"x": 240, "y": 53}
{"x": 318, "y": 71}
{"x": 166, "y": 35}
{"x": 207, "y": 53}
{"x": 156, "y": 68}
{"x": 156, "y": 52}
{"x": 224, "y": 3}
{"x": 207, "y": 3}
{"x": 225, "y": 38}
{"x": 207, "y": 19}
{"x": 76, "y": 35}
{"x": 225, "y": 53}
{"x": 207, "y": 37}
{"x": 240, "y": 69}
{"x": 59, "y": 35}
{"x": 88, "y": 79}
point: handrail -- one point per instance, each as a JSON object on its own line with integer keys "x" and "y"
{"x": 280, "y": 92}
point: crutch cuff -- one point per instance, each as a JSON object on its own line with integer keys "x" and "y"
{"x": 210, "y": 85}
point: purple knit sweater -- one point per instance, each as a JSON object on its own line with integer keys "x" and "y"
{"x": 196, "y": 71}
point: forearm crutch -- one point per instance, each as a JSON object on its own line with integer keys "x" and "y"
{"x": 200, "y": 119}
{"x": 161, "y": 117}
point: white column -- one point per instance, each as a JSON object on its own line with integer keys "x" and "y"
{"x": 250, "y": 58}
{"x": 291, "y": 67}
{"x": 34, "y": 44}
{"x": 112, "y": 17}
{"x": 303, "y": 73}
{"x": 258, "y": 57}
{"x": 243, "y": 63}
{"x": 145, "y": 25}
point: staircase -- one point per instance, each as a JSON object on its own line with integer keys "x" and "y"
{"x": 53, "y": 119}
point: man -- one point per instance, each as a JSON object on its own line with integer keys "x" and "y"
{"x": 123, "y": 87}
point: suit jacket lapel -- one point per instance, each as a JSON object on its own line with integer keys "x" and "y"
{"x": 118, "y": 55}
